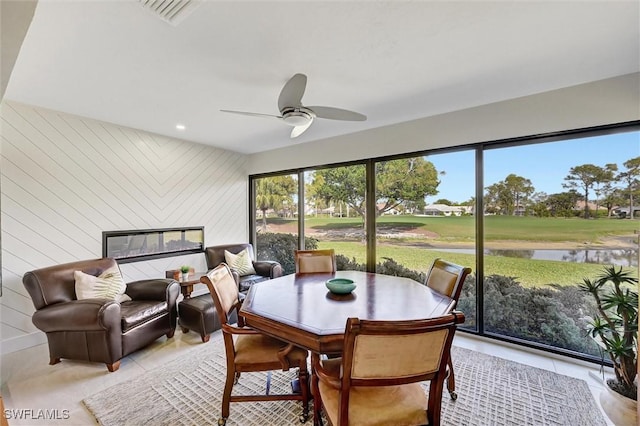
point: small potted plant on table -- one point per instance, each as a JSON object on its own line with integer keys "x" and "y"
{"x": 615, "y": 329}
{"x": 185, "y": 269}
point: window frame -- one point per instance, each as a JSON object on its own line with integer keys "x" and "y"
{"x": 479, "y": 148}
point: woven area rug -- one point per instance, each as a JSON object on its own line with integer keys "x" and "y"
{"x": 491, "y": 391}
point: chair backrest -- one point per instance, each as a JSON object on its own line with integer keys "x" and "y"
{"x": 447, "y": 278}
{"x": 215, "y": 254}
{"x": 310, "y": 261}
{"x": 389, "y": 353}
{"x": 381, "y": 353}
{"x": 223, "y": 289}
{"x": 56, "y": 284}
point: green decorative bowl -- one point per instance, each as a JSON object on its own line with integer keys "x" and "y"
{"x": 340, "y": 285}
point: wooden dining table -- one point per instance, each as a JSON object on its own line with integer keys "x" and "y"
{"x": 299, "y": 309}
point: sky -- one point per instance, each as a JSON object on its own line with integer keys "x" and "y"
{"x": 545, "y": 165}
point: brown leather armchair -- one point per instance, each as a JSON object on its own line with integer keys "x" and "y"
{"x": 99, "y": 330}
{"x": 265, "y": 269}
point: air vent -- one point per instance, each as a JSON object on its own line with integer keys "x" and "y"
{"x": 171, "y": 11}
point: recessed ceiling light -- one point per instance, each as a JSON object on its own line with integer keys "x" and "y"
{"x": 180, "y": 126}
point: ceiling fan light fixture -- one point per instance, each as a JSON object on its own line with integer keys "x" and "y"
{"x": 296, "y": 118}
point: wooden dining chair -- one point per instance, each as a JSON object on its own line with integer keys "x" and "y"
{"x": 252, "y": 351}
{"x": 447, "y": 279}
{"x": 377, "y": 380}
{"x": 315, "y": 261}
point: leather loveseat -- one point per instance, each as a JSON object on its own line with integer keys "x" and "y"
{"x": 265, "y": 269}
{"x": 99, "y": 330}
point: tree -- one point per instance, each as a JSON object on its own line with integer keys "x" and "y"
{"x": 612, "y": 197}
{"x": 273, "y": 192}
{"x": 603, "y": 183}
{"x": 444, "y": 201}
{"x": 583, "y": 178}
{"x": 631, "y": 179}
{"x": 346, "y": 184}
{"x": 313, "y": 194}
{"x": 539, "y": 204}
{"x": 399, "y": 183}
{"x": 520, "y": 189}
{"x": 497, "y": 198}
{"x": 562, "y": 204}
{"x": 509, "y": 194}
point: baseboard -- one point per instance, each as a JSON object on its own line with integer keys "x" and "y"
{"x": 23, "y": 342}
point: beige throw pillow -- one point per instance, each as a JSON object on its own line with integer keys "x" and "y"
{"x": 241, "y": 262}
{"x": 108, "y": 285}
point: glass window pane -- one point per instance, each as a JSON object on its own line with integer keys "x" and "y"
{"x": 425, "y": 209}
{"x": 552, "y": 217}
{"x": 276, "y": 219}
{"x": 334, "y": 214}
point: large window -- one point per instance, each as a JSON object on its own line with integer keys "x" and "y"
{"x": 532, "y": 218}
{"x": 552, "y": 219}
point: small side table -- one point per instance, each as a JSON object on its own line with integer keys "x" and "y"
{"x": 186, "y": 286}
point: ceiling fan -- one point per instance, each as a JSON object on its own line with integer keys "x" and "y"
{"x": 299, "y": 116}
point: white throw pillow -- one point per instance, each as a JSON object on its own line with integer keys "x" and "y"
{"x": 241, "y": 262}
{"x": 108, "y": 285}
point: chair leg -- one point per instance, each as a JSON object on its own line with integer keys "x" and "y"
{"x": 226, "y": 396}
{"x": 113, "y": 367}
{"x": 317, "y": 420}
{"x": 53, "y": 361}
{"x": 303, "y": 377}
{"x": 171, "y": 333}
{"x": 434, "y": 408}
{"x": 451, "y": 381}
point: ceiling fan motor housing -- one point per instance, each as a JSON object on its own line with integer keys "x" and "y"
{"x": 298, "y": 116}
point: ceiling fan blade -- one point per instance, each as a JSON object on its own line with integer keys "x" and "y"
{"x": 337, "y": 113}
{"x": 291, "y": 93}
{"x": 253, "y": 114}
{"x": 298, "y": 130}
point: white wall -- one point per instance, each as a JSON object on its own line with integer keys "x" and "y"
{"x": 603, "y": 102}
{"x": 65, "y": 179}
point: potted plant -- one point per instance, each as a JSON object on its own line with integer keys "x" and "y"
{"x": 185, "y": 269}
{"x": 615, "y": 329}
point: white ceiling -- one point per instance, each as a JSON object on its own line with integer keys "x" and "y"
{"x": 391, "y": 60}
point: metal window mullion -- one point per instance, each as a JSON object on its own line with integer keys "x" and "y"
{"x": 370, "y": 214}
{"x": 479, "y": 208}
{"x": 301, "y": 202}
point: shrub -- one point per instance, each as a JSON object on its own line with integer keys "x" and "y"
{"x": 554, "y": 315}
{"x": 281, "y": 248}
{"x": 344, "y": 264}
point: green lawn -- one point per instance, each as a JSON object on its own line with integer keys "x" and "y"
{"x": 497, "y": 228}
{"x": 411, "y": 251}
{"x": 462, "y": 229}
{"x": 530, "y": 273}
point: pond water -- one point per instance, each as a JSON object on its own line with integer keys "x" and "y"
{"x": 628, "y": 257}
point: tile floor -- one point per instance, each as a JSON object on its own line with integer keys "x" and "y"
{"x": 29, "y": 383}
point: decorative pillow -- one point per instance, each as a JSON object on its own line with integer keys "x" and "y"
{"x": 241, "y": 262}
{"x": 108, "y": 285}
